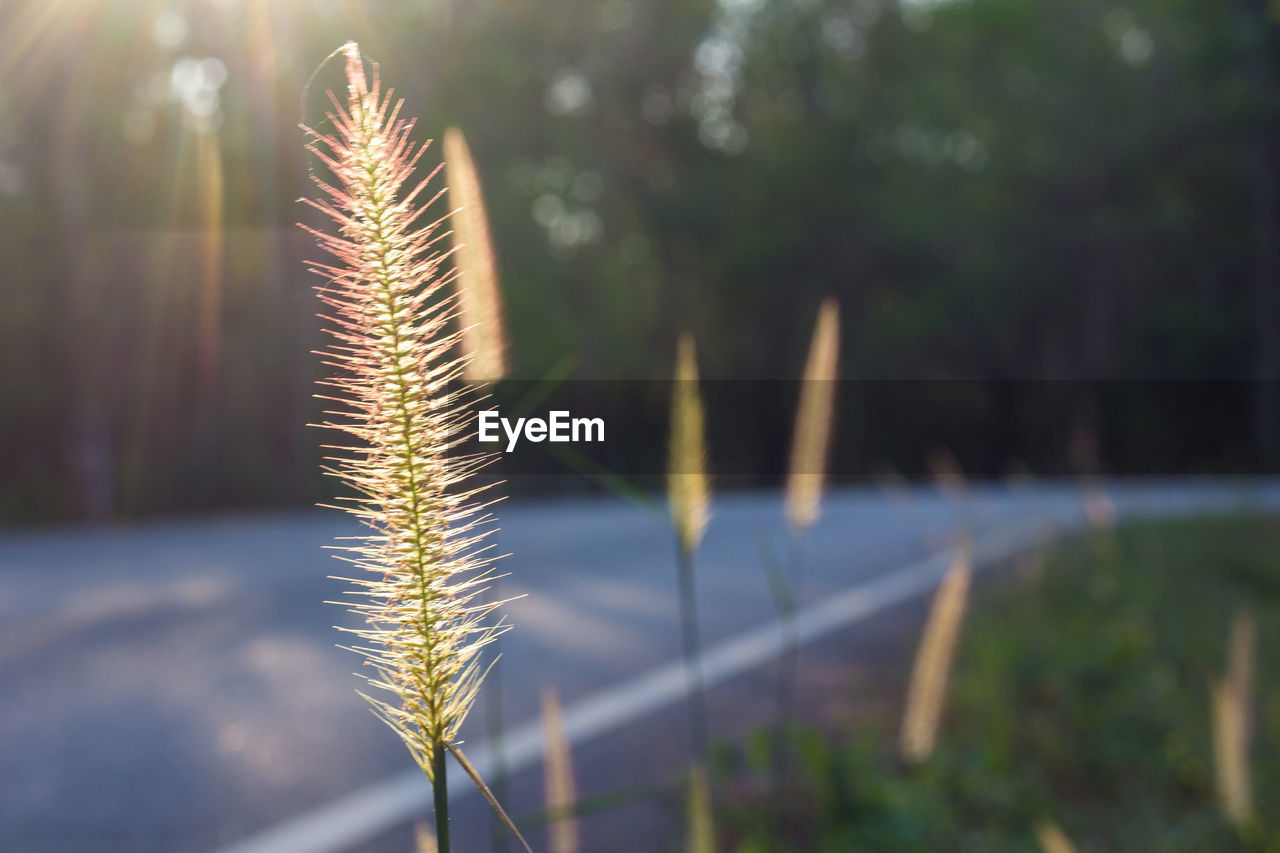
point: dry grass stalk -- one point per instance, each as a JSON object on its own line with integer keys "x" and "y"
{"x": 1232, "y": 700}
{"x": 479, "y": 296}
{"x": 811, "y": 440}
{"x": 927, "y": 692}
{"x": 701, "y": 831}
{"x": 561, "y": 790}
{"x": 1052, "y": 839}
{"x": 689, "y": 493}
{"x": 688, "y": 486}
{"x": 423, "y": 556}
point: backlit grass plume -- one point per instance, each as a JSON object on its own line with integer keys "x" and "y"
{"x": 479, "y": 299}
{"x": 812, "y": 438}
{"x": 927, "y": 691}
{"x": 423, "y": 555}
{"x": 1232, "y": 702}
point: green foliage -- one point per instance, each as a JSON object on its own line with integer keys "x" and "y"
{"x": 1081, "y": 695}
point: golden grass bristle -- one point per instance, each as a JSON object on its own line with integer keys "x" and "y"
{"x": 927, "y": 692}
{"x": 688, "y": 486}
{"x": 561, "y": 790}
{"x": 701, "y": 829}
{"x": 811, "y": 441}
{"x": 1232, "y": 700}
{"x": 1052, "y": 839}
{"x": 423, "y": 555}
{"x": 479, "y": 293}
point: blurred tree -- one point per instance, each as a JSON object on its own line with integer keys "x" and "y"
{"x": 1061, "y": 190}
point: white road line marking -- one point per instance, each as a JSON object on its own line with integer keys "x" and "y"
{"x": 352, "y": 819}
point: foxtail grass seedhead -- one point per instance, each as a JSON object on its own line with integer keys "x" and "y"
{"x": 393, "y": 356}
{"x": 1232, "y": 700}
{"x": 812, "y": 438}
{"x": 927, "y": 692}
{"x": 688, "y": 488}
{"x": 701, "y": 832}
{"x": 561, "y": 791}
{"x": 479, "y": 296}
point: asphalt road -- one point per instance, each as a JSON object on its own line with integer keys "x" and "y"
{"x": 175, "y": 686}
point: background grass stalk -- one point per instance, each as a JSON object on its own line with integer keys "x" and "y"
{"x": 558, "y": 782}
{"x": 688, "y": 492}
{"x": 692, "y": 653}
{"x": 789, "y": 665}
{"x": 802, "y": 506}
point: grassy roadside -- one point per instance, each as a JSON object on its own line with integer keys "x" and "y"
{"x": 1080, "y": 696}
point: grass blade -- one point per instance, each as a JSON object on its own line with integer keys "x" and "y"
{"x": 471, "y": 771}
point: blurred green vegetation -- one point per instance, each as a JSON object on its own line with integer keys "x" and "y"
{"x": 1080, "y": 696}
{"x": 1065, "y": 189}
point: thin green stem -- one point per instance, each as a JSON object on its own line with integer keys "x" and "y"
{"x": 440, "y": 787}
{"x": 692, "y": 651}
{"x": 790, "y": 666}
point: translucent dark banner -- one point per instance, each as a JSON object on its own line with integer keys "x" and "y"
{"x": 903, "y": 428}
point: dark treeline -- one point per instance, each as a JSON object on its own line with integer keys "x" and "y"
{"x": 994, "y": 191}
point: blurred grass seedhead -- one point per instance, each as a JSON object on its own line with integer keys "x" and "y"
{"x": 814, "y": 416}
{"x": 1232, "y": 701}
{"x": 1052, "y": 839}
{"x": 687, "y": 484}
{"x": 927, "y": 692}
{"x": 479, "y": 300}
